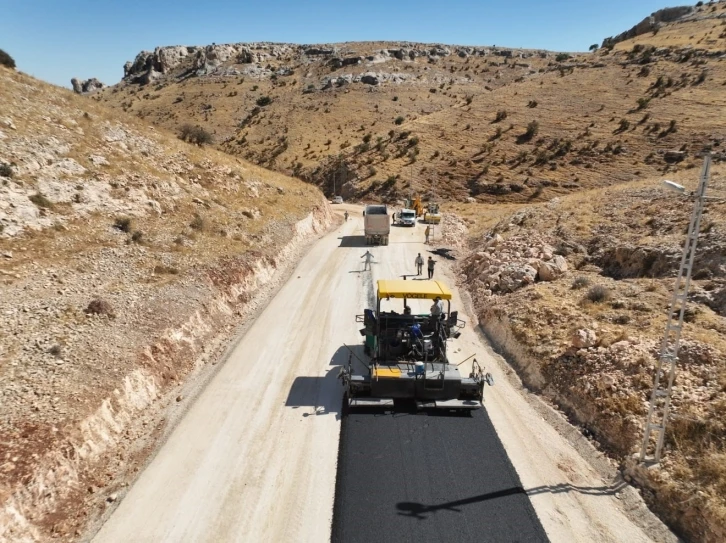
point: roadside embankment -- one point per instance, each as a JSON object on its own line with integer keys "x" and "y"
{"x": 575, "y": 294}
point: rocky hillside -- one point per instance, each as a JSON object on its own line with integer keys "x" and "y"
{"x": 127, "y": 258}
{"x": 576, "y": 292}
{"x": 491, "y": 123}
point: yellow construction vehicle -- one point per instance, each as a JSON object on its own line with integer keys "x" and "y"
{"x": 416, "y": 205}
{"x": 432, "y": 215}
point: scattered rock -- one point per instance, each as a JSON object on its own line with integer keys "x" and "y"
{"x": 552, "y": 269}
{"x": 584, "y": 339}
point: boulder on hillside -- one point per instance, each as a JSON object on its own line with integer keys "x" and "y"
{"x": 552, "y": 269}
{"x": 86, "y": 86}
{"x": 673, "y": 157}
{"x": 369, "y": 78}
{"x": 584, "y": 339}
{"x": 514, "y": 276}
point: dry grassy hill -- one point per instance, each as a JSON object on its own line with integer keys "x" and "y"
{"x": 387, "y": 119}
{"x": 127, "y": 257}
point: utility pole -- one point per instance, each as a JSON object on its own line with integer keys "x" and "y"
{"x": 660, "y": 397}
{"x": 335, "y": 172}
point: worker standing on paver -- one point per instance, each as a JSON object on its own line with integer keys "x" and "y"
{"x": 431, "y": 264}
{"x": 369, "y": 257}
{"x": 419, "y": 264}
{"x": 427, "y": 232}
{"x": 437, "y": 309}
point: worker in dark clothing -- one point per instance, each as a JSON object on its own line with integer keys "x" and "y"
{"x": 368, "y": 258}
{"x": 346, "y": 216}
{"x": 431, "y": 263}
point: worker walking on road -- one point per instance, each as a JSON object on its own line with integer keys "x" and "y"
{"x": 346, "y": 216}
{"x": 368, "y": 258}
{"x": 427, "y": 232}
{"x": 431, "y": 264}
{"x": 419, "y": 264}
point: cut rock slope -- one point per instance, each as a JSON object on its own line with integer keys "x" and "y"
{"x": 127, "y": 260}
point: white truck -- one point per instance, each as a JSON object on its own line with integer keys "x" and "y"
{"x": 376, "y": 224}
{"x": 406, "y": 217}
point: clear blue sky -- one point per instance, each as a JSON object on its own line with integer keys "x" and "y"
{"x": 58, "y": 39}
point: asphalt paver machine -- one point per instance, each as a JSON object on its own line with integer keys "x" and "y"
{"x": 407, "y": 354}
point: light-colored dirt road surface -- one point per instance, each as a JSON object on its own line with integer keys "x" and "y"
{"x": 254, "y": 458}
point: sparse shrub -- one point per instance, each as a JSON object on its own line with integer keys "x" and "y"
{"x": 264, "y": 101}
{"x": 623, "y": 125}
{"x": 345, "y": 144}
{"x": 165, "y": 270}
{"x": 366, "y": 138}
{"x": 399, "y": 120}
{"x": 40, "y": 200}
{"x": 254, "y": 88}
{"x": 55, "y": 350}
{"x": 194, "y": 134}
{"x": 532, "y": 131}
{"x": 594, "y": 47}
{"x": 598, "y": 293}
{"x": 6, "y": 60}
{"x": 137, "y": 237}
{"x": 643, "y": 103}
{"x": 561, "y": 57}
{"x": 395, "y": 98}
{"x": 99, "y": 306}
{"x": 622, "y": 319}
{"x": 469, "y": 99}
{"x": 501, "y": 115}
{"x": 123, "y": 224}
{"x": 6, "y": 170}
{"x": 532, "y": 103}
{"x": 198, "y": 223}
{"x": 580, "y": 282}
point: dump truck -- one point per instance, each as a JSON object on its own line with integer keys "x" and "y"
{"x": 407, "y": 359}
{"x": 432, "y": 215}
{"x": 376, "y": 224}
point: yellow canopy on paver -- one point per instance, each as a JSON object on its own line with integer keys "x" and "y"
{"x": 398, "y": 288}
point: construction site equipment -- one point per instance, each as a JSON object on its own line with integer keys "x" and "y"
{"x": 406, "y": 217}
{"x": 432, "y": 215}
{"x": 415, "y": 204}
{"x": 665, "y": 371}
{"x": 408, "y": 354}
{"x": 376, "y": 224}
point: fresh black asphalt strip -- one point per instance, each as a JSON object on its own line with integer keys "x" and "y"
{"x": 418, "y": 477}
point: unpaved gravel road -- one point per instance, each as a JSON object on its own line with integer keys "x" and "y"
{"x": 254, "y": 458}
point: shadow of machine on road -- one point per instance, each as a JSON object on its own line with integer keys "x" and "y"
{"x": 322, "y": 393}
{"x": 352, "y": 241}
